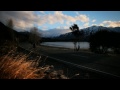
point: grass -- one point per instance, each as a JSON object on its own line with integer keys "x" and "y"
{"x": 14, "y": 66}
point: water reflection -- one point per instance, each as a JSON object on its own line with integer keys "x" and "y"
{"x": 72, "y": 45}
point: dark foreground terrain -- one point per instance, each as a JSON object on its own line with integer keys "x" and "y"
{"x": 87, "y": 64}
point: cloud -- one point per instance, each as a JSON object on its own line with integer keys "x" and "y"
{"x": 66, "y": 27}
{"x": 22, "y": 24}
{"x": 44, "y": 28}
{"x": 54, "y": 32}
{"x": 111, "y": 23}
{"x": 27, "y": 19}
{"x": 77, "y": 12}
{"x": 21, "y": 19}
{"x": 62, "y": 27}
{"x": 59, "y": 17}
{"x": 94, "y": 24}
{"x": 86, "y": 25}
{"x": 68, "y": 23}
{"x": 82, "y": 18}
{"x": 51, "y": 18}
{"x": 42, "y": 12}
{"x": 101, "y": 24}
{"x": 94, "y": 20}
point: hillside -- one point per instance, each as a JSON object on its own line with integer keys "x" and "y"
{"x": 6, "y": 34}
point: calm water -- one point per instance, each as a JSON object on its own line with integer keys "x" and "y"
{"x": 83, "y": 45}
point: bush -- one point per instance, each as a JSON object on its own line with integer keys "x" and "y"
{"x": 104, "y": 39}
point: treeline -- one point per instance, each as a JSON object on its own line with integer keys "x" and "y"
{"x": 102, "y": 40}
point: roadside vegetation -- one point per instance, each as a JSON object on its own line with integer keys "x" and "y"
{"x": 16, "y": 65}
{"x": 103, "y": 40}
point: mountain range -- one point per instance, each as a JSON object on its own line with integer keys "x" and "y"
{"x": 53, "y": 32}
{"x": 86, "y": 31}
{"x": 64, "y": 32}
{"x": 56, "y": 34}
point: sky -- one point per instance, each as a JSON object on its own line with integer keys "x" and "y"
{"x": 60, "y": 20}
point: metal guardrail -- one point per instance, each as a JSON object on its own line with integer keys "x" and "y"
{"x": 78, "y": 66}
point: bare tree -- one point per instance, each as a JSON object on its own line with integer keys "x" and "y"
{"x": 10, "y": 24}
{"x": 35, "y": 36}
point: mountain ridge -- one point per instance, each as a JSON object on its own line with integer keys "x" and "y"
{"x": 87, "y": 31}
{"x": 59, "y": 32}
{"x": 56, "y": 33}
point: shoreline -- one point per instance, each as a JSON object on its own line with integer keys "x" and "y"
{"x": 30, "y": 46}
{"x": 55, "y": 47}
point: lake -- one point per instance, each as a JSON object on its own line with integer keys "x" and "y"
{"x": 83, "y": 45}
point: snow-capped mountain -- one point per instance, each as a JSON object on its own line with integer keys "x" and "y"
{"x": 87, "y": 31}
{"x": 94, "y": 29}
{"x": 53, "y": 32}
{"x": 67, "y": 33}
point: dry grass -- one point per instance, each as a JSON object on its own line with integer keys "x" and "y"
{"x": 18, "y": 67}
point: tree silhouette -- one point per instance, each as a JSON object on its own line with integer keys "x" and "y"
{"x": 75, "y": 31}
{"x": 13, "y": 33}
{"x": 11, "y": 25}
{"x": 34, "y": 37}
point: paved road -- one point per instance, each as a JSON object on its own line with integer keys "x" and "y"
{"x": 106, "y": 63}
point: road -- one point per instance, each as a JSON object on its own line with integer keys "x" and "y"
{"x": 106, "y": 63}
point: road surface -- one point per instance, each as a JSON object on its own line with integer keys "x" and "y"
{"x": 105, "y": 63}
